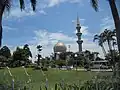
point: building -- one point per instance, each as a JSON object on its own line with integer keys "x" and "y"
{"x": 79, "y": 34}
{"x": 58, "y": 49}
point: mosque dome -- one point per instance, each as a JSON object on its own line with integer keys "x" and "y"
{"x": 59, "y": 47}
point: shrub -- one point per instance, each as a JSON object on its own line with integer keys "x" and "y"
{"x": 30, "y": 66}
{"x": 44, "y": 69}
{"x": 37, "y": 67}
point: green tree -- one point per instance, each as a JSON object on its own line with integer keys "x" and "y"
{"x": 3, "y": 61}
{"x": 21, "y": 56}
{"x": 60, "y": 63}
{"x": 5, "y": 51}
{"x": 108, "y": 36}
{"x": 18, "y": 57}
{"x": 87, "y": 56}
{"x": 116, "y": 56}
{"x": 116, "y": 19}
{"x": 39, "y": 48}
{"x": 5, "y": 5}
{"x": 27, "y": 51}
{"x": 115, "y": 15}
{"x": 100, "y": 42}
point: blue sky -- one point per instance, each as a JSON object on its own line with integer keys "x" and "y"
{"x": 55, "y": 20}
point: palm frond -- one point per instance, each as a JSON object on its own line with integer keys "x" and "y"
{"x": 95, "y": 38}
{"x": 33, "y": 4}
{"x": 7, "y": 5}
{"x": 22, "y": 4}
{"x": 94, "y": 4}
{"x": 114, "y": 43}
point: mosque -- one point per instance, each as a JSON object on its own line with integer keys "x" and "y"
{"x": 60, "y": 50}
{"x": 60, "y": 47}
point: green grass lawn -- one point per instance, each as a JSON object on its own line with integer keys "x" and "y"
{"x": 53, "y": 76}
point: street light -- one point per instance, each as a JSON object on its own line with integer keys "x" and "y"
{"x": 76, "y": 60}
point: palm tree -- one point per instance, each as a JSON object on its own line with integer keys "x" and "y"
{"x": 108, "y": 36}
{"x": 27, "y": 51}
{"x": 39, "y": 48}
{"x": 100, "y": 42}
{"x": 6, "y": 5}
{"x": 116, "y": 19}
{"x": 114, "y": 44}
{"x": 115, "y": 15}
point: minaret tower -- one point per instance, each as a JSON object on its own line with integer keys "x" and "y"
{"x": 79, "y": 34}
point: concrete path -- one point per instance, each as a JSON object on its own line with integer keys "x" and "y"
{"x": 93, "y": 70}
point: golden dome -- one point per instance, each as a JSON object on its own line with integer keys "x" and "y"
{"x": 59, "y": 47}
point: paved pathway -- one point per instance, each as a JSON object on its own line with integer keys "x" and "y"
{"x": 93, "y": 70}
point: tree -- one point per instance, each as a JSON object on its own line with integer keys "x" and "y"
{"x": 3, "y": 61}
{"x": 5, "y": 5}
{"x": 62, "y": 56}
{"x": 39, "y": 48}
{"x": 21, "y": 56}
{"x": 27, "y": 51}
{"x": 87, "y": 56}
{"x": 116, "y": 56}
{"x": 5, "y": 51}
{"x": 116, "y": 19}
{"x": 60, "y": 63}
{"x": 100, "y": 42}
{"x": 18, "y": 57}
{"x": 108, "y": 36}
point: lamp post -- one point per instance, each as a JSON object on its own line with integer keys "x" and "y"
{"x": 76, "y": 61}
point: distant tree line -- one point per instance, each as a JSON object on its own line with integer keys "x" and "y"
{"x": 19, "y": 57}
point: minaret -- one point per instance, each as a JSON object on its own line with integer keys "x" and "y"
{"x": 79, "y": 41}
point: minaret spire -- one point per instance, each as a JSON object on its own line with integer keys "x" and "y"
{"x": 78, "y": 21}
{"x": 79, "y": 34}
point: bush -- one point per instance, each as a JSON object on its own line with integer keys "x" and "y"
{"x": 44, "y": 69}
{"x": 30, "y": 66}
{"x": 37, "y": 67}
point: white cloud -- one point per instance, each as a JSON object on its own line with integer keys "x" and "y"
{"x": 42, "y": 12}
{"x": 84, "y": 29}
{"x": 107, "y": 23}
{"x": 8, "y": 28}
{"x": 16, "y": 12}
{"x": 49, "y": 39}
{"x": 41, "y": 5}
{"x": 81, "y": 21}
{"x": 52, "y": 3}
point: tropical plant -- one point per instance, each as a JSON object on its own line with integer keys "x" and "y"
{"x": 100, "y": 42}
{"x": 21, "y": 56}
{"x": 5, "y": 5}
{"x": 39, "y": 48}
{"x": 116, "y": 56}
{"x": 3, "y": 61}
{"x": 108, "y": 36}
{"x": 116, "y": 19}
{"x": 60, "y": 63}
{"x": 27, "y": 51}
{"x": 5, "y": 51}
{"x": 115, "y": 15}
